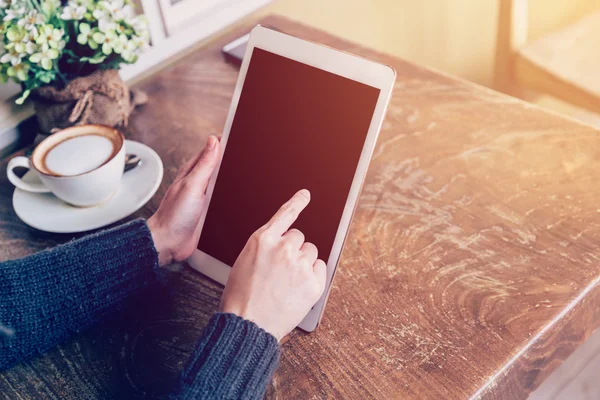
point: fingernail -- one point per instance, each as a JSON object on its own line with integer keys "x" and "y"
{"x": 211, "y": 142}
{"x": 305, "y": 192}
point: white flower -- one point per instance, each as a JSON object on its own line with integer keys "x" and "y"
{"x": 25, "y": 48}
{"x": 5, "y": 3}
{"x": 105, "y": 22}
{"x": 14, "y": 13}
{"x": 129, "y": 53}
{"x": 126, "y": 13}
{"x": 50, "y": 7}
{"x": 73, "y": 12}
{"x": 30, "y": 36}
{"x": 117, "y": 9}
{"x": 13, "y": 57}
{"x": 120, "y": 43}
{"x": 99, "y": 13}
{"x": 18, "y": 71}
{"x": 109, "y": 41}
{"x": 30, "y": 20}
{"x": 30, "y": 47}
{"x": 45, "y": 56}
{"x": 133, "y": 49}
{"x": 51, "y": 36}
{"x": 141, "y": 43}
{"x": 140, "y": 26}
{"x": 28, "y": 42}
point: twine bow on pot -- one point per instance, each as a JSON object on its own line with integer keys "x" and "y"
{"x": 99, "y": 98}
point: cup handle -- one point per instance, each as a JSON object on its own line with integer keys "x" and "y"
{"x": 18, "y": 182}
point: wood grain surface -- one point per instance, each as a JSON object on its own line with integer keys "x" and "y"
{"x": 471, "y": 269}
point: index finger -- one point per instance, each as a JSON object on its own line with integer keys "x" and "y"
{"x": 288, "y": 213}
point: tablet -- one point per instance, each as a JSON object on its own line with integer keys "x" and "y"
{"x": 302, "y": 116}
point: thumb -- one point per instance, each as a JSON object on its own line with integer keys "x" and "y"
{"x": 201, "y": 172}
{"x": 320, "y": 269}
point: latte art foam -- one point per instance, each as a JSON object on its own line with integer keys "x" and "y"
{"x": 79, "y": 154}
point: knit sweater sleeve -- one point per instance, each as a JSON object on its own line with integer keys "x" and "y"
{"x": 234, "y": 359}
{"x": 48, "y": 296}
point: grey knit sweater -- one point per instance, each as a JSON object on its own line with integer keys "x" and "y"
{"x": 47, "y": 297}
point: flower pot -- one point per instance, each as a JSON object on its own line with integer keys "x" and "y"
{"x": 99, "y": 98}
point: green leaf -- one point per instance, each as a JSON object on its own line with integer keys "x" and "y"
{"x": 24, "y": 96}
{"x": 69, "y": 52}
{"x": 97, "y": 60}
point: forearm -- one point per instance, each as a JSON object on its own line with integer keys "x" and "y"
{"x": 48, "y": 296}
{"x": 234, "y": 359}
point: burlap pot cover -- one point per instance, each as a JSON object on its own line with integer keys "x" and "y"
{"x": 99, "y": 98}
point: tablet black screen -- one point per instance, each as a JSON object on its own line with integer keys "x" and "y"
{"x": 295, "y": 127}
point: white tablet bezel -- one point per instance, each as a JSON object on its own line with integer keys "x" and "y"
{"x": 350, "y": 66}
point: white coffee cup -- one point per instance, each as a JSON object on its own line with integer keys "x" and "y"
{"x": 81, "y": 165}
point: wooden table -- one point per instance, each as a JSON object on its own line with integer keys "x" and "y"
{"x": 471, "y": 269}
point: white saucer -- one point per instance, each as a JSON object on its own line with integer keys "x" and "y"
{"x": 45, "y": 212}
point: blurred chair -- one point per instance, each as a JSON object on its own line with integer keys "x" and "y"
{"x": 563, "y": 64}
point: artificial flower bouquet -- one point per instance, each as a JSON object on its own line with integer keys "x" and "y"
{"x": 52, "y": 44}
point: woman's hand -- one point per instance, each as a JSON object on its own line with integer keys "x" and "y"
{"x": 277, "y": 277}
{"x": 175, "y": 225}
